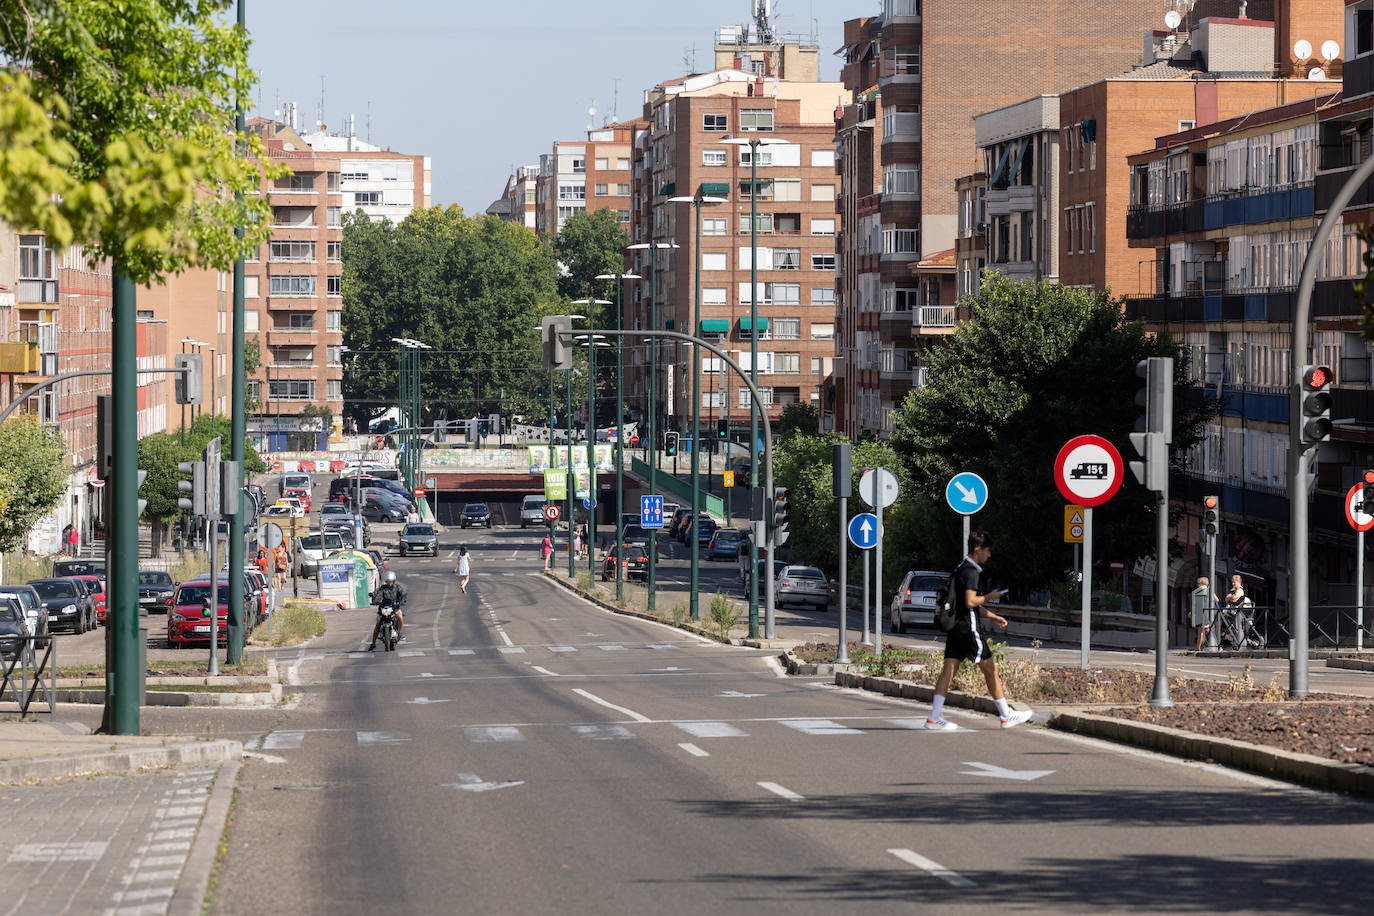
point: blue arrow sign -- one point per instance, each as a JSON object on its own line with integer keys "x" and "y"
{"x": 589, "y": 503}
{"x": 966, "y": 493}
{"x": 651, "y": 511}
{"x": 863, "y": 531}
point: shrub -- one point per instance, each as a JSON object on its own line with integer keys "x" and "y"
{"x": 292, "y": 625}
{"x": 724, "y": 614}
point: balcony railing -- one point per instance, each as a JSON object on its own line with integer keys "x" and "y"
{"x": 44, "y": 291}
{"x": 936, "y": 316}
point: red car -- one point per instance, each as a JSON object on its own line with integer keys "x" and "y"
{"x": 186, "y": 620}
{"x": 97, "y": 592}
{"x": 299, "y": 493}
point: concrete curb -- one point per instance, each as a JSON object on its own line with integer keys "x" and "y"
{"x": 910, "y": 690}
{"x": 1305, "y": 769}
{"x": 698, "y": 630}
{"x": 189, "y": 897}
{"x": 133, "y": 758}
{"x": 264, "y": 698}
{"x": 795, "y": 665}
{"x": 1353, "y": 664}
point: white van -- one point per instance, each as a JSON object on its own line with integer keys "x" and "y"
{"x": 532, "y": 510}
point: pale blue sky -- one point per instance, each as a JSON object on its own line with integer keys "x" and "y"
{"x": 482, "y": 87}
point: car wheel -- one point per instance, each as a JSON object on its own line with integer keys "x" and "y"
{"x": 897, "y": 625}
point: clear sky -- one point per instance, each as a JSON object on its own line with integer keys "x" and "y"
{"x": 485, "y": 86}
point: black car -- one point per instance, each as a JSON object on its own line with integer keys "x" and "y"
{"x": 379, "y": 509}
{"x": 79, "y": 566}
{"x": 636, "y": 563}
{"x": 155, "y": 589}
{"x": 34, "y": 609}
{"x": 68, "y": 604}
{"x": 475, "y": 515}
{"x": 13, "y": 629}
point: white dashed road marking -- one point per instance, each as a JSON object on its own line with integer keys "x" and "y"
{"x": 935, "y": 868}
{"x": 779, "y": 790}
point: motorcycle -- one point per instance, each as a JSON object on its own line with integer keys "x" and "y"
{"x": 388, "y": 633}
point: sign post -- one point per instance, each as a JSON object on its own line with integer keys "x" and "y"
{"x": 863, "y": 534}
{"x": 878, "y": 487}
{"x": 1088, "y": 473}
{"x": 842, "y": 485}
{"x": 1357, "y": 506}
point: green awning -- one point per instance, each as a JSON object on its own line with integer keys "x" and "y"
{"x": 1020, "y": 155}
{"x": 870, "y": 95}
{"x": 756, "y": 181}
{"x": 715, "y": 189}
{"x": 668, "y": 325}
{"x": 746, "y": 324}
{"x": 668, "y": 190}
{"x": 715, "y": 326}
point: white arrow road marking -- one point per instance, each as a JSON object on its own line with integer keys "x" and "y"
{"x": 471, "y": 782}
{"x": 968, "y": 497}
{"x": 866, "y": 528}
{"x": 461, "y": 652}
{"x": 935, "y": 868}
{"x": 987, "y": 769}
{"x": 424, "y": 701}
{"x": 779, "y": 790}
{"x": 736, "y": 693}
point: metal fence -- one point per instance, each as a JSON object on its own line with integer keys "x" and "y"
{"x": 36, "y": 661}
{"x": 1329, "y": 626}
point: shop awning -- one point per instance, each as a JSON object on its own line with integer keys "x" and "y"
{"x": 668, "y": 325}
{"x": 715, "y": 326}
{"x": 746, "y": 323}
{"x": 715, "y": 189}
{"x": 668, "y": 190}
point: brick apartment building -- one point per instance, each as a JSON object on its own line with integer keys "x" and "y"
{"x": 584, "y": 176}
{"x": 519, "y": 201}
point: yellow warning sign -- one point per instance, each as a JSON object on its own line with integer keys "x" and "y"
{"x": 729, "y": 478}
{"x": 1073, "y": 524}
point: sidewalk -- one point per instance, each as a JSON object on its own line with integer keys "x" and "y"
{"x": 43, "y": 750}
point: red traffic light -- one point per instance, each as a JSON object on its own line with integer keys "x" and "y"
{"x": 1210, "y": 502}
{"x": 1316, "y": 377}
{"x": 1369, "y": 478}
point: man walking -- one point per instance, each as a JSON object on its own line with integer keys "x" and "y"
{"x": 968, "y": 642}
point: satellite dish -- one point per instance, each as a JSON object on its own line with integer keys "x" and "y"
{"x": 1316, "y": 73}
{"x": 1330, "y": 50}
{"x": 1172, "y": 19}
{"x": 591, "y": 112}
{"x": 1302, "y": 49}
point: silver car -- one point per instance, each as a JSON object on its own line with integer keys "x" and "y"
{"x": 802, "y": 585}
{"x": 418, "y": 537}
{"x": 914, "y": 603}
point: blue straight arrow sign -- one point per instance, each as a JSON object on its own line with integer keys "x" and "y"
{"x": 863, "y": 531}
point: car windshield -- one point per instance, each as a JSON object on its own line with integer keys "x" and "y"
{"x": 328, "y": 541}
{"x": 10, "y": 610}
{"x": 198, "y": 594}
{"x": 475, "y": 508}
{"x": 155, "y": 578}
{"x": 534, "y": 504}
{"x": 727, "y": 534}
{"x": 333, "y": 509}
{"x": 51, "y": 589}
{"x": 23, "y": 597}
{"x": 926, "y": 583}
{"x": 417, "y": 529}
{"x": 805, "y": 572}
{"x": 79, "y": 568}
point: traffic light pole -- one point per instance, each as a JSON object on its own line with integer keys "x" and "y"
{"x": 122, "y": 683}
{"x": 237, "y": 422}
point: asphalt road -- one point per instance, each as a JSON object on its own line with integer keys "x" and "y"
{"x": 526, "y": 752}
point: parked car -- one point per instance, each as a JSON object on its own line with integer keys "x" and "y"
{"x": 636, "y": 563}
{"x": 300, "y": 494}
{"x": 914, "y": 603}
{"x": 636, "y": 535}
{"x": 294, "y": 505}
{"x": 418, "y": 537}
{"x": 78, "y": 566}
{"x": 35, "y": 612}
{"x": 96, "y": 589}
{"x": 187, "y": 622}
{"x": 802, "y": 585}
{"x": 155, "y": 589}
{"x": 532, "y": 511}
{"x": 725, "y": 544}
{"x": 329, "y": 509}
{"x": 379, "y": 509}
{"x": 705, "y": 530}
{"x": 778, "y": 567}
{"x": 672, "y": 523}
{"x": 13, "y": 627}
{"x": 256, "y": 596}
{"x": 314, "y": 547}
{"x": 67, "y": 604}
{"x": 293, "y": 480}
{"x": 276, "y": 511}
{"x": 348, "y": 527}
{"x": 475, "y": 515}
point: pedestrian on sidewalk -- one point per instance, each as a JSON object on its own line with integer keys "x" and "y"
{"x": 546, "y": 551}
{"x": 1205, "y": 621}
{"x": 968, "y": 642}
{"x": 412, "y": 516}
{"x": 464, "y": 569}
{"x": 577, "y": 542}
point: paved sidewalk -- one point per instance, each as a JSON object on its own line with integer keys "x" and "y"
{"x": 43, "y": 750}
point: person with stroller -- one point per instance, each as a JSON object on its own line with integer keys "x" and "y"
{"x": 1238, "y": 625}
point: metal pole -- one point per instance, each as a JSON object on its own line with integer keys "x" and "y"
{"x": 1297, "y": 467}
{"x": 620, "y": 440}
{"x": 238, "y": 427}
{"x": 878, "y": 572}
{"x": 1212, "y": 642}
{"x": 183, "y": 413}
{"x": 843, "y": 657}
{"x": 866, "y": 640}
{"x": 123, "y": 683}
{"x": 214, "y": 582}
{"x": 1085, "y": 625}
{"x": 1161, "y": 693}
{"x": 652, "y": 583}
{"x": 695, "y": 577}
{"x": 591, "y": 439}
{"x": 572, "y": 483}
{"x": 754, "y": 377}
{"x": 1359, "y": 588}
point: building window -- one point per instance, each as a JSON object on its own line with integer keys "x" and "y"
{"x": 250, "y": 320}
{"x": 579, "y": 164}
{"x": 783, "y": 293}
{"x": 822, "y": 227}
{"x": 713, "y": 295}
{"x": 622, "y": 163}
{"x": 823, "y": 261}
{"x": 822, "y": 331}
{"x": 624, "y": 215}
{"x": 746, "y": 398}
{"x": 786, "y": 363}
{"x": 356, "y": 173}
{"x": 293, "y": 251}
{"x": 897, "y": 180}
{"x": 823, "y": 192}
{"x": 787, "y": 189}
{"x": 817, "y": 365}
{"x": 622, "y": 189}
{"x": 715, "y": 225}
{"x": 765, "y": 190}
{"x": 333, "y": 389}
{"x": 787, "y": 259}
{"x": 367, "y": 198}
{"x": 714, "y": 157}
{"x": 823, "y": 295}
{"x": 333, "y": 286}
{"x": 332, "y": 355}
{"x": 746, "y": 157}
{"x": 291, "y": 389}
{"x": 713, "y": 260}
{"x": 900, "y": 241}
{"x": 786, "y": 328}
{"x": 572, "y": 192}
{"x": 332, "y": 320}
{"x": 333, "y": 217}
{"x": 602, "y": 164}
{"x": 252, "y": 255}
{"x": 334, "y": 251}
{"x": 291, "y": 286}
{"x": 714, "y": 122}
{"x": 756, "y": 119}
{"x": 765, "y": 224}
{"x": 300, "y": 321}
{"x": 1090, "y": 215}
{"x": 823, "y": 158}
{"x": 602, "y": 189}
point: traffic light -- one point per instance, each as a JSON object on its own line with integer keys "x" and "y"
{"x": 1316, "y": 405}
{"x": 230, "y": 488}
{"x": 670, "y": 444}
{"x": 1155, "y": 398}
{"x": 722, "y": 429}
{"x": 494, "y": 423}
{"x": 193, "y": 482}
{"x": 779, "y": 519}
{"x": 1367, "y": 492}
{"x": 1211, "y": 507}
{"x": 189, "y": 385}
{"x": 483, "y": 427}
{"x": 556, "y": 330}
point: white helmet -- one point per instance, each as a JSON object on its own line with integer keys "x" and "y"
{"x": 390, "y": 576}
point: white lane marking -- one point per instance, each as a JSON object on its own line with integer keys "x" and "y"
{"x": 545, "y": 671}
{"x": 819, "y": 727}
{"x": 370, "y": 739}
{"x": 779, "y": 790}
{"x": 664, "y": 645}
{"x": 145, "y": 909}
{"x": 935, "y": 868}
{"x": 602, "y": 732}
{"x": 515, "y": 554}
{"x": 452, "y": 554}
{"x": 411, "y": 653}
{"x": 732, "y": 693}
{"x": 283, "y": 741}
{"x": 511, "y": 650}
{"x": 166, "y": 874}
{"x": 148, "y": 894}
{"x": 423, "y": 701}
{"x": 778, "y": 669}
{"x": 502, "y": 633}
{"x": 184, "y": 833}
{"x": 609, "y": 705}
{"x": 693, "y": 749}
{"x": 265, "y": 758}
{"x": 611, "y": 648}
{"x": 461, "y": 652}
{"x": 711, "y": 730}
{"x": 562, "y": 649}
{"x": 293, "y": 673}
{"x": 434, "y": 627}
{"x": 170, "y": 847}
{"x": 483, "y": 734}
{"x": 471, "y": 782}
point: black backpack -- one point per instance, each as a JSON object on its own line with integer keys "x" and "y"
{"x": 946, "y": 606}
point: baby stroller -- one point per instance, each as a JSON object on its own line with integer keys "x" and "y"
{"x": 1236, "y": 627}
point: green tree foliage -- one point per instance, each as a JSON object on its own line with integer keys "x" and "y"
{"x": 472, "y": 289}
{"x": 206, "y": 427}
{"x": 252, "y": 360}
{"x": 116, "y": 131}
{"x": 799, "y": 418}
{"x": 158, "y": 454}
{"x": 590, "y": 244}
{"x": 33, "y": 476}
{"x": 1035, "y": 367}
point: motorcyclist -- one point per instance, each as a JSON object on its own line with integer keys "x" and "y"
{"x": 394, "y": 593}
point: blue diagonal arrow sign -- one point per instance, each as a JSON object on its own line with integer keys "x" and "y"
{"x": 863, "y": 531}
{"x": 966, "y": 493}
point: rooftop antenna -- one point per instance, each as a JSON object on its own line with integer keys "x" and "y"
{"x": 591, "y": 117}
{"x": 319, "y": 115}
{"x": 369, "y": 120}
{"x": 615, "y": 96}
{"x": 763, "y": 21}
{"x": 689, "y": 58}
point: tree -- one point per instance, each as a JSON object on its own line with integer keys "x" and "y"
{"x": 590, "y": 244}
{"x": 252, "y": 360}
{"x": 1037, "y": 365}
{"x": 799, "y": 418}
{"x": 33, "y": 476}
{"x": 158, "y": 455}
{"x": 207, "y": 427}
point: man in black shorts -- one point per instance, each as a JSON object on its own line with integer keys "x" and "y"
{"x": 967, "y": 642}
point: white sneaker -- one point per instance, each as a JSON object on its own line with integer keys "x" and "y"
{"x": 1016, "y": 717}
{"x": 941, "y": 725}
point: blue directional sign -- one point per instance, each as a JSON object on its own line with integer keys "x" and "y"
{"x": 589, "y": 503}
{"x": 651, "y": 511}
{"x": 863, "y": 531}
{"x": 966, "y": 493}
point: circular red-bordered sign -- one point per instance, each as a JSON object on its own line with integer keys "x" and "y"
{"x": 1088, "y": 470}
{"x": 419, "y": 492}
{"x": 1360, "y": 521}
{"x": 552, "y": 511}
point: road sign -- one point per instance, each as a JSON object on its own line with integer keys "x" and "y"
{"x": 1073, "y": 524}
{"x": 966, "y": 493}
{"x": 270, "y": 535}
{"x": 878, "y": 487}
{"x": 431, "y": 483}
{"x": 552, "y": 511}
{"x": 729, "y": 478}
{"x": 863, "y": 531}
{"x": 1359, "y": 519}
{"x": 589, "y": 502}
{"x": 651, "y": 511}
{"x": 1088, "y": 470}
{"x": 419, "y": 492}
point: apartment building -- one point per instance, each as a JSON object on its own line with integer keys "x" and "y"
{"x": 382, "y": 183}
{"x": 519, "y": 201}
{"x": 683, "y": 155}
{"x": 585, "y": 176}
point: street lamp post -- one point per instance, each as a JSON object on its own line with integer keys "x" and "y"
{"x": 591, "y": 304}
{"x": 754, "y": 143}
{"x": 619, "y": 430}
{"x": 697, "y": 201}
{"x": 652, "y": 449}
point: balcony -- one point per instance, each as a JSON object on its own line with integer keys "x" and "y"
{"x": 901, "y": 10}
{"x": 41, "y": 292}
{"x": 1358, "y": 77}
{"x": 1261, "y": 206}
{"x": 292, "y": 337}
{"x": 935, "y": 318}
{"x": 1021, "y": 198}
